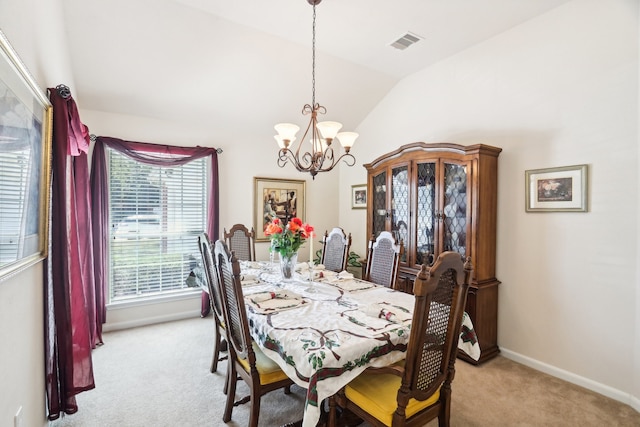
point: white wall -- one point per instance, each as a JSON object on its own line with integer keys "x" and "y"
{"x": 22, "y": 349}
{"x": 559, "y": 90}
{"x": 636, "y": 389}
{"x": 32, "y": 27}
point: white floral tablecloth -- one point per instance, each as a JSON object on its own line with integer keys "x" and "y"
{"x": 325, "y": 342}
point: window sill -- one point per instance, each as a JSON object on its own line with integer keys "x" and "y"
{"x": 160, "y": 299}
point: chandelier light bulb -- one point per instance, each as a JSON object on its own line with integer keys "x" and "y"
{"x": 281, "y": 142}
{"x": 287, "y": 130}
{"x": 329, "y": 130}
{"x": 347, "y": 139}
{"x": 319, "y": 145}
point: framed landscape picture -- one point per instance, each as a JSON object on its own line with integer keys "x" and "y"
{"x": 25, "y": 166}
{"x": 277, "y": 198}
{"x": 561, "y": 189}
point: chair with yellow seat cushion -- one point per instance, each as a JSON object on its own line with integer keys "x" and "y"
{"x": 246, "y": 360}
{"x": 269, "y": 370}
{"x": 414, "y": 393}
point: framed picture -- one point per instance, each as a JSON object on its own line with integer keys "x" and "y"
{"x": 359, "y": 196}
{"x": 276, "y": 198}
{"x": 25, "y": 166}
{"x": 562, "y": 189}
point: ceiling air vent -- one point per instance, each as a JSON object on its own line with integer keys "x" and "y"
{"x": 405, "y": 41}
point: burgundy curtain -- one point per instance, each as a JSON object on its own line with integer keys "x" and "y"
{"x": 152, "y": 154}
{"x": 70, "y": 325}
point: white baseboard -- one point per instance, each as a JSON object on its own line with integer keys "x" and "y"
{"x": 635, "y": 403}
{"x": 108, "y": 327}
{"x": 597, "y": 387}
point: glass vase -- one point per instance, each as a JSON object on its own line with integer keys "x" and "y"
{"x": 288, "y": 266}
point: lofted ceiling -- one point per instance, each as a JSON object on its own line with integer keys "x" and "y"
{"x": 240, "y": 66}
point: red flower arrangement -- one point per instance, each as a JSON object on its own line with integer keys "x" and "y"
{"x": 288, "y": 239}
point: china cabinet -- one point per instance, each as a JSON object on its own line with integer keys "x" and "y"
{"x": 442, "y": 197}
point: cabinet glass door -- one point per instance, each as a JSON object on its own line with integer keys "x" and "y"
{"x": 400, "y": 207}
{"x": 379, "y": 203}
{"x": 455, "y": 208}
{"x": 425, "y": 220}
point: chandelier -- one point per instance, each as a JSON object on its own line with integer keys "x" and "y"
{"x": 320, "y": 156}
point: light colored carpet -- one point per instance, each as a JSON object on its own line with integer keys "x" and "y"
{"x": 159, "y": 376}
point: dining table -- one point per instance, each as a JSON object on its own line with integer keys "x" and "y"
{"x": 325, "y": 328}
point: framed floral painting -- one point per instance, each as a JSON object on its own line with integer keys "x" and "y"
{"x": 561, "y": 189}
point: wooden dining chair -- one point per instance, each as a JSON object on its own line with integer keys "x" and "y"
{"x": 419, "y": 390}
{"x": 215, "y": 297}
{"x": 335, "y": 250}
{"x": 246, "y": 359}
{"x": 241, "y": 241}
{"x": 383, "y": 256}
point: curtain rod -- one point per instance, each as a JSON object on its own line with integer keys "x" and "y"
{"x": 93, "y": 139}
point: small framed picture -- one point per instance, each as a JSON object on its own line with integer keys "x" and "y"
{"x": 359, "y": 196}
{"x": 562, "y": 189}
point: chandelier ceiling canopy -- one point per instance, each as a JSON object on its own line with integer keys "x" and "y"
{"x": 319, "y": 156}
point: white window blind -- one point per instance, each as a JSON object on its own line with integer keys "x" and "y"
{"x": 156, "y": 214}
{"x": 15, "y": 168}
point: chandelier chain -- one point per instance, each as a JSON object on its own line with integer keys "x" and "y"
{"x": 313, "y": 60}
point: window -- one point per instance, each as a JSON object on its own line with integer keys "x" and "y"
{"x": 155, "y": 215}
